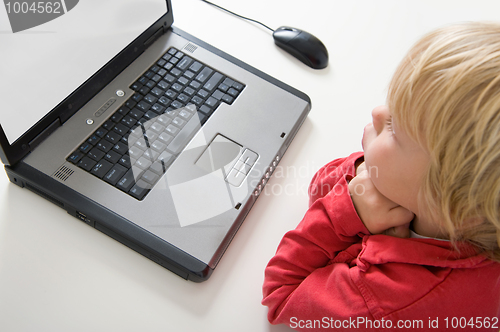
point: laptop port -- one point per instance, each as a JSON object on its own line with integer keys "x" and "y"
{"x": 84, "y": 218}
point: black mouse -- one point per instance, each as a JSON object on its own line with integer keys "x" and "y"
{"x": 302, "y": 45}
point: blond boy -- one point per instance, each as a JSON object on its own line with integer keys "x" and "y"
{"x": 415, "y": 235}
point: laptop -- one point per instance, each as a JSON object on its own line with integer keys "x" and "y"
{"x": 164, "y": 148}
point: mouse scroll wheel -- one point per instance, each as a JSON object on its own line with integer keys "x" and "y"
{"x": 288, "y": 29}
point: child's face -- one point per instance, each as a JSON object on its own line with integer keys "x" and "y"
{"x": 396, "y": 163}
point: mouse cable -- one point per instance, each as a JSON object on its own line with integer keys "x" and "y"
{"x": 243, "y": 17}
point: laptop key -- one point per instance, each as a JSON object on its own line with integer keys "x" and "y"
{"x": 238, "y": 86}
{"x": 176, "y": 72}
{"x": 177, "y": 87}
{"x": 113, "y": 137}
{"x": 218, "y": 94}
{"x": 115, "y": 174}
{"x": 130, "y": 103}
{"x": 204, "y": 74}
{"x": 157, "y": 167}
{"x": 162, "y": 85}
{"x": 96, "y": 154}
{"x": 184, "y": 63}
{"x": 121, "y": 148}
{"x": 229, "y": 82}
{"x": 125, "y": 161}
{"x": 93, "y": 139}
{"x": 150, "y": 115}
{"x": 171, "y": 93}
{"x": 203, "y": 93}
{"x": 150, "y": 177}
{"x": 112, "y": 156}
{"x": 144, "y": 91}
{"x": 162, "y": 72}
{"x": 227, "y": 99}
{"x": 196, "y": 67}
{"x": 101, "y": 132}
{"x": 136, "y": 86}
{"x": 233, "y": 92}
{"x": 116, "y": 117}
{"x": 189, "y": 91}
{"x": 101, "y": 168}
{"x": 213, "y": 82}
{"x": 183, "y": 98}
{"x": 183, "y": 80}
{"x": 121, "y": 129}
{"x": 86, "y": 163}
{"x": 85, "y": 147}
{"x": 205, "y": 109}
{"x": 157, "y": 91}
{"x": 105, "y": 145}
{"x": 150, "y": 99}
{"x": 178, "y": 122}
{"x": 156, "y": 78}
{"x": 161, "y": 62}
{"x": 189, "y": 74}
{"x": 126, "y": 182}
{"x": 128, "y": 121}
{"x": 197, "y": 100}
{"x": 166, "y": 138}
{"x": 136, "y": 113}
{"x": 211, "y": 102}
{"x": 143, "y": 105}
{"x": 169, "y": 78}
{"x": 75, "y": 157}
{"x": 140, "y": 189}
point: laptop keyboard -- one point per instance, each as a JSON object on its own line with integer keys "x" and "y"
{"x": 137, "y": 144}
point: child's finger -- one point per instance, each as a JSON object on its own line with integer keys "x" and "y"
{"x": 402, "y": 231}
{"x": 400, "y": 216}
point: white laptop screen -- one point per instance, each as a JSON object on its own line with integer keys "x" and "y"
{"x": 42, "y": 65}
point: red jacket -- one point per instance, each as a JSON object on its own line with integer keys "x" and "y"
{"x": 331, "y": 273}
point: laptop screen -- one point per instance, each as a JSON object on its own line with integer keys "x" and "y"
{"x": 40, "y": 66}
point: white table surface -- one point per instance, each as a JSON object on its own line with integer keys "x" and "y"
{"x": 58, "y": 274}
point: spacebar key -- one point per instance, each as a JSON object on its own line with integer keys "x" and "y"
{"x": 183, "y": 137}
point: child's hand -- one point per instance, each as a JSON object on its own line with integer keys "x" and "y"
{"x": 378, "y": 213}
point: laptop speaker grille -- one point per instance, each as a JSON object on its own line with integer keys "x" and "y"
{"x": 191, "y": 48}
{"x": 63, "y": 173}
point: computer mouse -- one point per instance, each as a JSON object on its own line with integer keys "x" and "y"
{"x": 302, "y": 45}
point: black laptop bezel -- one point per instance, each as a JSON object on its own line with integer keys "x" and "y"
{"x": 10, "y": 154}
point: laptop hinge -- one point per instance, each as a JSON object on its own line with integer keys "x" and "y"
{"x": 154, "y": 37}
{"x": 44, "y": 134}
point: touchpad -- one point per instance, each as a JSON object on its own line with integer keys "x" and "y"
{"x": 222, "y": 153}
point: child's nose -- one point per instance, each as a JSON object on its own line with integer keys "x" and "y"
{"x": 380, "y": 115}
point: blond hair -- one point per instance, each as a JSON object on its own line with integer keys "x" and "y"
{"x": 446, "y": 95}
